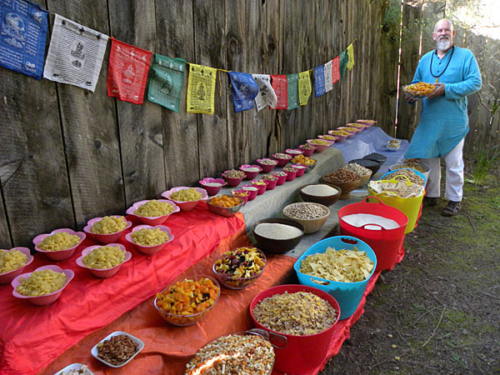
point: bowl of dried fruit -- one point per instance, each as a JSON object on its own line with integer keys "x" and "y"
{"x": 117, "y": 349}
{"x": 225, "y": 205}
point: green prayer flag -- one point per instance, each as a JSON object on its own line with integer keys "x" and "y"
{"x": 165, "y": 83}
{"x": 293, "y": 91}
{"x": 344, "y": 59}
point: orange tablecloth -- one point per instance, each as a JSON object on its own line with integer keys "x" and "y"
{"x": 31, "y": 337}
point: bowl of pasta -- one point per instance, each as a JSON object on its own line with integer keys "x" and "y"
{"x": 153, "y": 212}
{"x": 104, "y": 261}
{"x": 149, "y": 239}
{"x": 60, "y": 244}
{"x": 186, "y": 197}
{"x": 107, "y": 229}
{"x": 13, "y": 262}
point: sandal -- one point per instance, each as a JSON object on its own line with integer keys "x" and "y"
{"x": 452, "y": 209}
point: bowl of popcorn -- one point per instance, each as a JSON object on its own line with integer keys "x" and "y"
{"x": 185, "y": 197}
{"x": 43, "y": 286}
{"x": 107, "y": 229}
{"x": 312, "y": 216}
{"x": 307, "y": 149}
{"x": 234, "y": 177}
{"x": 239, "y": 268}
{"x": 104, "y": 261}
{"x": 153, "y": 212}
{"x": 13, "y": 262}
{"x": 251, "y": 171}
{"x": 267, "y": 165}
{"x": 281, "y": 158}
{"x": 149, "y": 239}
{"x": 186, "y": 302}
{"x": 340, "y": 134}
{"x": 60, "y": 244}
{"x": 320, "y": 144}
{"x": 212, "y": 185}
{"x": 225, "y": 205}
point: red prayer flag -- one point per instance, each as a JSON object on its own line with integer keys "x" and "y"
{"x": 280, "y": 86}
{"x": 335, "y": 70}
{"x": 128, "y": 72}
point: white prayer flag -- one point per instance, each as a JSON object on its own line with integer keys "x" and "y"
{"x": 266, "y": 96}
{"x": 328, "y": 76}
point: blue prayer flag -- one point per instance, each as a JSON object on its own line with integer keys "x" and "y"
{"x": 245, "y": 89}
{"x": 319, "y": 80}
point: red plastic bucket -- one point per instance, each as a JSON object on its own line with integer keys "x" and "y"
{"x": 303, "y": 354}
{"x": 386, "y": 243}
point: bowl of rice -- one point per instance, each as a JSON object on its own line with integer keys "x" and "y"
{"x": 153, "y": 212}
{"x": 104, "y": 261}
{"x": 312, "y": 216}
{"x": 277, "y": 235}
{"x": 149, "y": 239}
{"x": 13, "y": 262}
{"x": 60, "y": 244}
{"x": 320, "y": 193}
{"x": 107, "y": 229}
{"x": 43, "y": 286}
{"x": 185, "y": 197}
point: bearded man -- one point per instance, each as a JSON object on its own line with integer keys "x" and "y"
{"x": 444, "y": 122}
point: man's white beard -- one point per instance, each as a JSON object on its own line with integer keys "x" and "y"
{"x": 443, "y": 44}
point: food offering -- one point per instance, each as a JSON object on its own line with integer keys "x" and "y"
{"x": 393, "y": 145}
{"x": 251, "y": 190}
{"x": 301, "y": 169}
{"x": 227, "y": 205}
{"x": 363, "y": 172}
{"x": 320, "y": 144}
{"x": 344, "y": 178}
{"x": 242, "y": 193}
{"x": 59, "y": 244}
{"x": 350, "y": 129}
{"x": 42, "y": 286}
{"x": 117, "y": 349}
{"x": 251, "y": 171}
{"x": 270, "y": 180}
{"x": 294, "y": 152}
{"x": 419, "y": 90}
{"x": 267, "y": 165}
{"x": 242, "y": 353}
{"x": 282, "y": 158}
{"x": 398, "y": 174}
{"x": 75, "y": 369}
{"x": 107, "y": 229}
{"x": 238, "y": 268}
{"x": 320, "y": 193}
{"x": 186, "y": 197}
{"x": 307, "y": 149}
{"x": 281, "y": 177}
{"x": 234, "y": 177}
{"x": 153, "y": 212}
{"x": 104, "y": 261}
{"x": 186, "y": 302}
{"x": 358, "y": 126}
{"x": 328, "y": 137}
{"x": 13, "y": 262}
{"x": 149, "y": 239}
{"x": 291, "y": 173}
{"x": 304, "y": 160}
{"x": 212, "y": 185}
{"x": 261, "y": 185}
{"x": 312, "y": 216}
{"x": 277, "y": 235}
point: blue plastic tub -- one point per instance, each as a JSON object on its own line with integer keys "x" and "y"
{"x": 348, "y": 295}
{"x": 420, "y": 174}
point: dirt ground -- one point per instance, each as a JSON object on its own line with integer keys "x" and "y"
{"x": 437, "y": 312}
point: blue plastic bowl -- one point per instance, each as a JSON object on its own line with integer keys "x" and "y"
{"x": 420, "y": 174}
{"x": 348, "y": 295}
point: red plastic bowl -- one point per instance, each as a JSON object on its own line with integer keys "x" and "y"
{"x": 212, "y": 190}
{"x": 290, "y": 176}
{"x": 262, "y": 188}
{"x": 252, "y": 191}
{"x": 250, "y": 175}
{"x": 340, "y": 138}
{"x": 105, "y": 238}
{"x": 270, "y": 185}
{"x": 320, "y": 148}
{"x": 293, "y": 152}
{"x": 281, "y": 179}
{"x": 308, "y": 151}
{"x": 281, "y": 161}
{"x": 233, "y": 182}
{"x": 266, "y": 168}
{"x": 301, "y": 169}
{"x": 7, "y": 277}
{"x": 61, "y": 254}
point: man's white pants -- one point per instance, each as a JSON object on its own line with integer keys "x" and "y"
{"x": 454, "y": 175}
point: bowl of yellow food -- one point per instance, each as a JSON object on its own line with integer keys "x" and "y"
{"x": 419, "y": 90}
{"x": 320, "y": 144}
{"x": 186, "y": 197}
{"x": 340, "y": 134}
{"x": 43, "y": 286}
{"x": 104, "y": 261}
{"x": 149, "y": 239}
{"x": 13, "y": 262}
{"x": 60, "y": 244}
{"x": 153, "y": 212}
{"x": 107, "y": 229}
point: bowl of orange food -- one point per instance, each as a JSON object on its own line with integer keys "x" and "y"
{"x": 419, "y": 90}
{"x": 225, "y": 205}
{"x": 186, "y": 302}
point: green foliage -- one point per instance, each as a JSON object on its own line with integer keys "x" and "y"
{"x": 484, "y": 161}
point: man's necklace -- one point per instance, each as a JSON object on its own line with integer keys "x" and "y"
{"x": 432, "y": 58}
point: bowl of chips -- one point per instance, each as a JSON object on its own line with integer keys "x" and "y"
{"x": 239, "y": 268}
{"x": 13, "y": 262}
{"x": 153, "y": 212}
{"x": 185, "y": 197}
{"x": 104, "y": 261}
{"x": 107, "y": 229}
{"x": 149, "y": 239}
{"x": 43, "y": 286}
{"x": 60, "y": 244}
{"x": 419, "y": 90}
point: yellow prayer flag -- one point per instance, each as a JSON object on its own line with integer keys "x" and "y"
{"x": 350, "y": 55}
{"x": 201, "y": 89}
{"x": 305, "y": 88}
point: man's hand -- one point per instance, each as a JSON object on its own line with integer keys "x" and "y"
{"x": 438, "y": 91}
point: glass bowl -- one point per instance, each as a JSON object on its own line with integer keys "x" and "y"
{"x": 226, "y": 211}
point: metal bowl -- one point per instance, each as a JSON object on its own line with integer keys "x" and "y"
{"x": 226, "y": 211}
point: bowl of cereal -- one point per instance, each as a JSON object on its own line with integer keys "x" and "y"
{"x": 186, "y": 197}
{"x": 212, "y": 185}
{"x": 186, "y": 302}
{"x": 149, "y": 239}
{"x": 153, "y": 212}
{"x": 238, "y": 268}
{"x": 60, "y": 244}
{"x": 104, "y": 261}
{"x": 43, "y": 286}
{"x": 117, "y": 349}
{"x": 13, "y": 262}
{"x": 320, "y": 144}
{"x": 107, "y": 229}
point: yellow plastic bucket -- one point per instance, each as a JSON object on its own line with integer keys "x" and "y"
{"x": 409, "y": 206}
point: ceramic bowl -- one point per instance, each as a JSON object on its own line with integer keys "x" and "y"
{"x": 301, "y": 169}
{"x": 326, "y": 200}
{"x": 61, "y": 254}
{"x": 105, "y": 238}
{"x": 185, "y": 205}
{"x": 106, "y": 272}
{"x": 307, "y": 151}
{"x": 155, "y": 220}
{"x": 7, "y": 277}
{"x": 152, "y": 249}
{"x": 278, "y": 246}
{"x": 48, "y": 298}
{"x": 227, "y": 211}
{"x": 232, "y": 181}
{"x": 95, "y": 350}
{"x": 266, "y": 168}
{"x": 310, "y": 225}
{"x": 282, "y": 161}
{"x": 320, "y": 148}
{"x": 250, "y": 175}
{"x": 251, "y": 190}
{"x": 212, "y": 190}
{"x": 75, "y": 367}
{"x": 340, "y": 138}
{"x": 281, "y": 179}
{"x": 346, "y": 187}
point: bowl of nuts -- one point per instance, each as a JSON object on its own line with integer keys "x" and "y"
{"x": 234, "y": 177}
{"x": 291, "y": 173}
{"x": 270, "y": 180}
{"x": 312, "y": 216}
{"x": 345, "y": 179}
{"x": 363, "y": 172}
{"x": 117, "y": 349}
{"x": 281, "y": 177}
{"x": 267, "y": 165}
{"x": 282, "y": 158}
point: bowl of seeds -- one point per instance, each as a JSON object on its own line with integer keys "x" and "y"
{"x": 282, "y": 158}
{"x": 277, "y": 235}
{"x": 320, "y": 193}
{"x": 345, "y": 179}
{"x": 270, "y": 181}
{"x": 372, "y": 165}
{"x": 281, "y": 176}
{"x": 312, "y": 216}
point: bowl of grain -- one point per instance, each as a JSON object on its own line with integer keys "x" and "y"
{"x": 153, "y": 212}
{"x": 43, "y": 286}
{"x": 416, "y": 166}
{"x": 267, "y": 164}
{"x": 104, "y": 261}
{"x": 277, "y": 235}
{"x": 60, "y": 244}
{"x": 107, "y": 229}
{"x": 282, "y": 158}
{"x": 149, "y": 239}
{"x": 186, "y": 197}
{"x": 13, "y": 262}
{"x": 251, "y": 171}
{"x": 312, "y": 216}
{"x": 320, "y": 144}
{"x": 320, "y": 193}
{"x": 212, "y": 185}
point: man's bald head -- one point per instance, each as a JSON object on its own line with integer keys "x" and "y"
{"x": 443, "y": 34}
